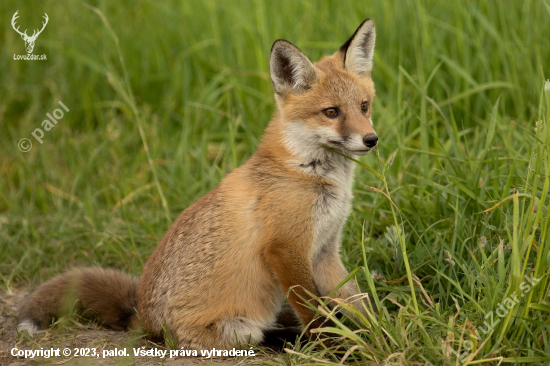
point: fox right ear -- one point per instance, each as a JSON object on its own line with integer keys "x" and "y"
{"x": 359, "y": 49}
{"x": 291, "y": 70}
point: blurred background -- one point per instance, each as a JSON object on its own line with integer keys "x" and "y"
{"x": 166, "y": 98}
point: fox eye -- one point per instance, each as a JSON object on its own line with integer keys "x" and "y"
{"x": 331, "y": 112}
{"x": 364, "y": 107}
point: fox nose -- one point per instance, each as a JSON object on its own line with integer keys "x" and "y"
{"x": 370, "y": 140}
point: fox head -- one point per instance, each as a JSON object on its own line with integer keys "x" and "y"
{"x": 327, "y": 102}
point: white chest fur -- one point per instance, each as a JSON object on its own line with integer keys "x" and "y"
{"x": 332, "y": 206}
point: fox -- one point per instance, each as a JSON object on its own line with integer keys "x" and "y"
{"x": 241, "y": 264}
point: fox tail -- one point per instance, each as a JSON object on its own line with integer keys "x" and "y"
{"x": 103, "y": 294}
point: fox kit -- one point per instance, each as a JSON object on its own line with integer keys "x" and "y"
{"x": 271, "y": 229}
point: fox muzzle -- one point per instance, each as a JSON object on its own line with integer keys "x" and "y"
{"x": 370, "y": 140}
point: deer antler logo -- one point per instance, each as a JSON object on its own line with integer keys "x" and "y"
{"x": 29, "y": 41}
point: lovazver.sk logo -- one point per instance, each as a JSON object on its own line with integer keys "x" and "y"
{"x": 29, "y": 40}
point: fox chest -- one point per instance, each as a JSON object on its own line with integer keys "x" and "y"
{"x": 330, "y": 211}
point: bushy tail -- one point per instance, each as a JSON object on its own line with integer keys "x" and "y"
{"x": 104, "y": 294}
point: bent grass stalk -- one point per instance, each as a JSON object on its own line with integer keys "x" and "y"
{"x": 128, "y": 96}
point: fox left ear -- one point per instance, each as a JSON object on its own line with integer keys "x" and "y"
{"x": 291, "y": 70}
{"x": 359, "y": 49}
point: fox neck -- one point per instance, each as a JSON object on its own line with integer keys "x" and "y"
{"x": 296, "y": 147}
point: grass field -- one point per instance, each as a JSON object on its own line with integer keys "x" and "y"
{"x": 168, "y": 97}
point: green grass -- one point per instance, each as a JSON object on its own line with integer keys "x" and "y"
{"x": 460, "y": 90}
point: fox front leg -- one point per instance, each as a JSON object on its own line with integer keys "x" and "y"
{"x": 329, "y": 272}
{"x": 293, "y": 270}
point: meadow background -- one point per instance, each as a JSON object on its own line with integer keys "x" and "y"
{"x": 168, "y": 97}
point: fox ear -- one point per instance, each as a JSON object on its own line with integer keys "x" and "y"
{"x": 359, "y": 49}
{"x": 291, "y": 70}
